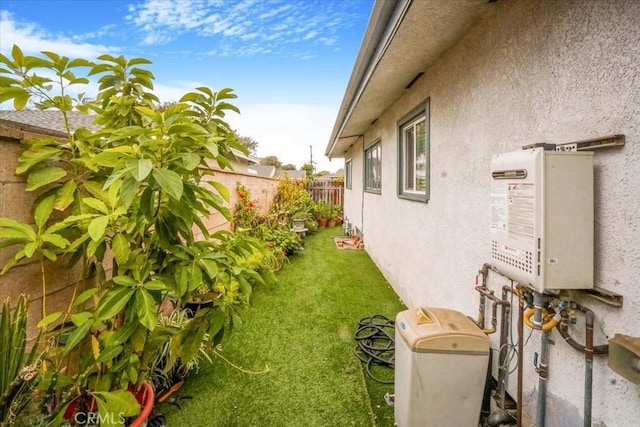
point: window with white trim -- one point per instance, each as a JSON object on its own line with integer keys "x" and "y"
{"x": 413, "y": 155}
{"x": 348, "y": 173}
{"x": 372, "y": 168}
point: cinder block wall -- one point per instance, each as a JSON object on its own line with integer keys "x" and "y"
{"x": 62, "y": 281}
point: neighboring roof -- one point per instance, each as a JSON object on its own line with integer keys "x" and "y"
{"x": 328, "y": 177}
{"x": 47, "y": 120}
{"x": 291, "y": 174}
{"x": 51, "y": 122}
{"x": 265, "y": 171}
{"x": 403, "y": 39}
{"x": 240, "y": 155}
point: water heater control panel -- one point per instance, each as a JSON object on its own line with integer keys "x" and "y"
{"x": 542, "y": 218}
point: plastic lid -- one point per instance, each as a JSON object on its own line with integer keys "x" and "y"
{"x": 431, "y": 329}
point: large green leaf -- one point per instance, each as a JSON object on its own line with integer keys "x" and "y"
{"x": 140, "y": 168}
{"x": 33, "y": 156}
{"x": 55, "y": 239}
{"x": 84, "y": 296}
{"x": 125, "y": 281}
{"x": 129, "y": 190}
{"x": 182, "y": 280}
{"x": 216, "y": 322}
{"x": 145, "y": 307}
{"x": 120, "y": 248}
{"x": 191, "y": 160}
{"x": 114, "y": 406}
{"x": 79, "y": 319}
{"x": 43, "y": 211}
{"x": 113, "y": 302}
{"x": 98, "y": 227}
{"x": 65, "y": 195}
{"x": 127, "y": 132}
{"x": 47, "y": 320}
{"x": 109, "y": 353}
{"x": 222, "y": 189}
{"x": 211, "y": 267}
{"x": 77, "y": 336}
{"x": 41, "y": 177}
{"x": 10, "y": 228}
{"x": 96, "y": 204}
{"x": 188, "y": 128}
{"x": 169, "y": 181}
{"x": 195, "y": 277}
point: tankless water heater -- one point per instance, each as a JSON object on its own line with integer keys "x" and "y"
{"x": 542, "y": 218}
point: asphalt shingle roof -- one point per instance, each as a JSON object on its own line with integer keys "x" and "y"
{"x": 51, "y": 120}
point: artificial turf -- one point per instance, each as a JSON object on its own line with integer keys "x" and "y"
{"x": 300, "y": 330}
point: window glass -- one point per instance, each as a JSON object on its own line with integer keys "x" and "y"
{"x": 372, "y": 168}
{"x": 413, "y": 177}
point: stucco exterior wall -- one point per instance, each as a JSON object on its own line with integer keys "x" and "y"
{"x": 531, "y": 71}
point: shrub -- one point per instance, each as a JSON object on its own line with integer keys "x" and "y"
{"x": 134, "y": 188}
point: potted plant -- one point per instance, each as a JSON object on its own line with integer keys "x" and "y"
{"x": 132, "y": 189}
{"x": 322, "y": 213}
{"x": 333, "y": 216}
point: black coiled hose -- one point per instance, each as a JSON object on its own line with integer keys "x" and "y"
{"x": 375, "y": 344}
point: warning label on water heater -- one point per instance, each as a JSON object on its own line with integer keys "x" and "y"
{"x": 512, "y": 209}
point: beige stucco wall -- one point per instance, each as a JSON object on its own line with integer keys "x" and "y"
{"x": 531, "y": 71}
{"x": 15, "y": 203}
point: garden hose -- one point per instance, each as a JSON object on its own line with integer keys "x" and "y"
{"x": 375, "y": 344}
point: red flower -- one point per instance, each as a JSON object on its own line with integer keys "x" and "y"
{"x": 269, "y": 244}
{"x": 250, "y": 205}
{"x": 241, "y": 195}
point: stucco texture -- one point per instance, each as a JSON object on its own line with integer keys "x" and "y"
{"x": 528, "y": 72}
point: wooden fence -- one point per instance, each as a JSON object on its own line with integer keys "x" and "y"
{"x": 329, "y": 191}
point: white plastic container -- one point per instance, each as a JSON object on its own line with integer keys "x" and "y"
{"x": 441, "y": 360}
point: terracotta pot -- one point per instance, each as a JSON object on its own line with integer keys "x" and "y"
{"x": 322, "y": 222}
{"x": 146, "y": 397}
{"x": 331, "y": 223}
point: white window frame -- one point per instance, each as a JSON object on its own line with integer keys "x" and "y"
{"x": 348, "y": 174}
{"x": 373, "y": 168}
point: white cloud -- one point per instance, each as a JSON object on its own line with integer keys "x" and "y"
{"x": 32, "y": 39}
{"x": 310, "y": 35}
{"x": 287, "y": 131}
{"x": 235, "y": 22}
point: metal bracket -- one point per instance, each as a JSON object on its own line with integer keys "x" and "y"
{"x": 605, "y": 296}
{"x": 592, "y": 144}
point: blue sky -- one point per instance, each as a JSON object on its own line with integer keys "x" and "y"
{"x": 289, "y": 61}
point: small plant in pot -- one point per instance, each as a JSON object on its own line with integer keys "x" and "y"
{"x": 322, "y": 213}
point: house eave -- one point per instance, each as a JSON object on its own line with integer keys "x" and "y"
{"x": 403, "y": 39}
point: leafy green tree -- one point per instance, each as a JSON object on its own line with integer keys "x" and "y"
{"x": 249, "y": 143}
{"x": 288, "y": 167}
{"x": 308, "y": 168}
{"x": 137, "y": 188}
{"x": 271, "y": 161}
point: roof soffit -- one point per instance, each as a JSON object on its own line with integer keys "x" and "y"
{"x": 427, "y": 30}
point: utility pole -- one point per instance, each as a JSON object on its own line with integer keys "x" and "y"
{"x": 313, "y": 168}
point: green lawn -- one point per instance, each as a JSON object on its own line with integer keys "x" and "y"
{"x": 301, "y": 330}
